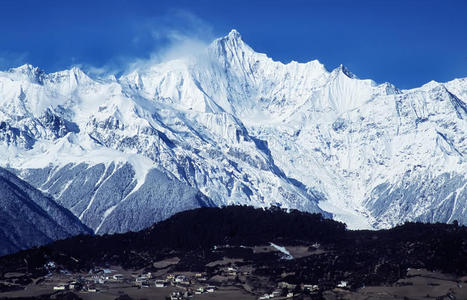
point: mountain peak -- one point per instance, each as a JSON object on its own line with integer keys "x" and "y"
{"x": 77, "y": 72}
{"x": 344, "y": 70}
{"x": 33, "y": 73}
{"x": 234, "y": 34}
{"x": 26, "y": 68}
{"x": 234, "y": 37}
{"x": 231, "y": 43}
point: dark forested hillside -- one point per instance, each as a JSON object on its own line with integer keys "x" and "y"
{"x": 30, "y": 218}
{"x": 197, "y": 229}
{"x": 207, "y": 234}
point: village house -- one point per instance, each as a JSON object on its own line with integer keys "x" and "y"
{"x": 200, "y": 277}
{"x": 72, "y": 285}
{"x": 311, "y": 287}
{"x": 147, "y": 275}
{"x": 142, "y": 282}
{"x": 342, "y": 284}
{"x": 60, "y": 287}
{"x": 232, "y": 270}
{"x": 98, "y": 279}
{"x": 145, "y": 284}
{"x": 275, "y": 294}
{"x": 118, "y": 277}
{"x": 182, "y": 279}
{"x": 170, "y": 277}
{"x": 286, "y": 285}
{"x": 161, "y": 283}
{"x": 210, "y": 289}
{"x": 175, "y": 296}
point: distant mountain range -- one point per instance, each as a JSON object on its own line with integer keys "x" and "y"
{"x": 229, "y": 125}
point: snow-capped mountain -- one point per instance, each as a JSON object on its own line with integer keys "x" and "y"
{"x": 28, "y": 218}
{"x": 232, "y": 126}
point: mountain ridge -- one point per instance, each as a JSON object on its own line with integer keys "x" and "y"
{"x": 241, "y": 128}
{"x": 30, "y": 218}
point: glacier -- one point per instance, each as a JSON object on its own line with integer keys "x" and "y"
{"x": 229, "y": 125}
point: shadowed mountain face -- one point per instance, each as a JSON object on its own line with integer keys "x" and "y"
{"x": 29, "y": 218}
{"x": 114, "y": 198}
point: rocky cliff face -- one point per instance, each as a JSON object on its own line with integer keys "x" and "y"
{"x": 232, "y": 126}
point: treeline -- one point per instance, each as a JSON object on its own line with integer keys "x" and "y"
{"x": 242, "y": 225}
{"x": 371, "y": 256}
{"x": 196, "y": 229}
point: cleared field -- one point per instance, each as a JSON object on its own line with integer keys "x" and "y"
{"x": 419, "y": 284}
{"x": 227, "y": 293}
{"x": 150, "y": 293}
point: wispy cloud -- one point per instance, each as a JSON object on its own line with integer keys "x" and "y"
{"x": 177, "y": 34}
{"x": 10, "y": 60}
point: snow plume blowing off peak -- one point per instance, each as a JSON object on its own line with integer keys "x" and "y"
{"x": 176, "y": 35}
{"x": 212, "y": 124}
{"x": 178, "y": 46}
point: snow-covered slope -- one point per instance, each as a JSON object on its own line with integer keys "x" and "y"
{"x": 232, "y": 126}
{"x": 29, "y": 218}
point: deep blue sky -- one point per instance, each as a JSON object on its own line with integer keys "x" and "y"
{"x": 405, "y": 42}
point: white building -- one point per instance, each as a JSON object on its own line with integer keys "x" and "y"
{"x": 342, "y": 284}
{"x": 161, "y": 283}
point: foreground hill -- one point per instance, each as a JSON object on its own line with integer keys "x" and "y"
{"x": 272, "y": 245}
{"x": 29, "y": 218}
